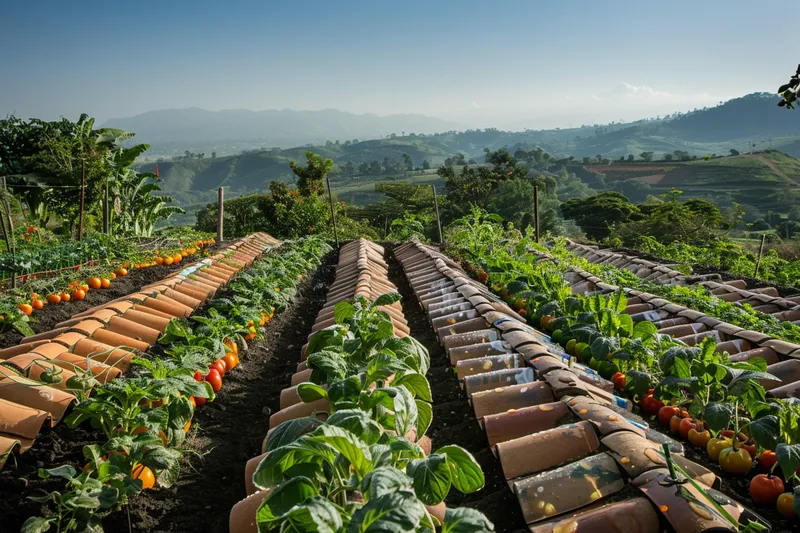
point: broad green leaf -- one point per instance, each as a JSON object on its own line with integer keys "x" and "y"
{"x": 625, "y": 325}
{"x": 638, "y": 382}
{"x": 347, "y": 444}
{"x": 405, "y": 410}
{"x": 417, "y": 384}
{"x": 343, "y": 311}
{"x": 644, "y": 330}
{"x": 601, "y": 347}
{"x": 681, "y": 368}
{"x": 384, "y": 480}
{"x": 348, "y": 389}
{"x": 765, "y": 431}
{"x": 466, "y": 520}
{"x": 387, "y": 299}
{"x": 282, "y": 498}
{"x": 424, "y": 417}
{"x": 788, "y": 458}
{"x": 316, "y": 515}
{"x": 63, "y": 471}
{"x": 311, "y": 392}
{"x": 718, "y": 415}
{"x": 35, "y": 524}
{"x": 358, "y": 423}
{"x": 467, "y": 474}
{"x": 396, "y": 512}
{"x": 290, "y": 431}
{"x": 432, "y": 478}
{"x": 330, "y": 362}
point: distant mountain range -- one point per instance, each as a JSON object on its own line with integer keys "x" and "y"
{"x": 271, "y": 128}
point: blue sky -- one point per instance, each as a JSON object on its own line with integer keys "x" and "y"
{"x": 481, "y": 63}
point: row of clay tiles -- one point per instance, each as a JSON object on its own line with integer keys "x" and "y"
{"x": 690, "y": 327}
{"x": 104, "y": 339}
{"x": 564, "y": 441}
{"x": 766, "y": 299}
{"x": 361, "y": 271}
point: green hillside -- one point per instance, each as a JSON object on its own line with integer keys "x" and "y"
{"x": 768, "y": 181}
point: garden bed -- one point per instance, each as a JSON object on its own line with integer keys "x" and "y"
{"x": 454, "y": 421}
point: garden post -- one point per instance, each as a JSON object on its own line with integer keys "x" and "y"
{"x": 83, "y": 199}
{"x": 436, "y": 206}
{"x": 220, "y": 215}
{"x": 760, "y": 252}
{"x": 333, "y": 212}
{"x": 536, "y": 211}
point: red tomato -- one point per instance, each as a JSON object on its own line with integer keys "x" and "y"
{"x": 765, "y": 489}
{"x": 751, "y": 449}
{"x": 218, "y": 366}
{"x": 618, "y": 380}
{"x": 213, "y": 377}
{"x": 198, "y": 376}
{"x": 684, "y": 427}
{"x": 198, "y": 401}
{"x": 666, "y": 413}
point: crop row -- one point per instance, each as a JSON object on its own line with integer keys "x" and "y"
{"x": 757, "y": 309}
{"x": 60, "y": 273}
{"x": 145, "y": 416}
{"x": 678, "y": 373}
{"x": 347, "y": 450}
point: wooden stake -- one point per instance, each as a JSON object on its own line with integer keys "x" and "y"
{"x": 536, "y": 211}
{"x": 83, "y": 199}
{"x": 436, "y": 206}
{"x": 760, "y": 253}
{"x": 333, "y": 212}
{"x": 220, "y": 215}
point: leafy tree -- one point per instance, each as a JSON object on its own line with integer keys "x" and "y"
{"x": 407, "y": 162}
{"x": 375, "y": 167}
{"x": 586, "y": 160}
{"x": 646, "y": 156}
{"x": 667, "y": 157}
{"x": 599, "y": 158}
{"x": 635, "y": 190}
{"x": 630, "y": 157}
{"x": 734, "y": 151}
{"x": 789, "y": 91}
{"x": 597, "y": 214}
{"x": 310, "y": 179}
{"x": 426, "y": 165}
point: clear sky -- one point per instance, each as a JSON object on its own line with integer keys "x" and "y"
{"x": 535, "y": 63}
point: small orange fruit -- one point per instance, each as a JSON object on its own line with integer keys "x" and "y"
{"x": 26, "y": 308}
{"x": 94, "y": 283}
{"x": 105, "y": 283}
{"x": 53, "y": 298}
{"x": 78, "y": 294}
{"x": 64, "y": 296}
{"x": 37, "y": 304}
{"x": 159, "y": 260}
{"x": 145, "y": 475}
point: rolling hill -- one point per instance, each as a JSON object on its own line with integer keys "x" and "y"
{"x": 199, "y": 129}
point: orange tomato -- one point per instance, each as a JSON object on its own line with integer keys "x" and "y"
{"x": 53, "y": 298}
{"x": 64, "y": 296}
{"x": 26, "y": 308}
{"x": 167, "y": 261}
{"x": 105, "y": 283}
{"x": 78, "y": 294}
{"x": 84, "y": 287}
{"x": 121, "y": 272}
{"x": 94, "y": 283}
{"x": 159, "y": 260}
{"x": 37, "y": 304}
{"x": 145, "y": 475}
{"x": 177, "y": 258}
{"x": 112, "y": 276}
{"x": 230, "y": 361}
{"x": 187, "y": 426}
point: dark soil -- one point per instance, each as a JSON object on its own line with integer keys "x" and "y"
{"x": 454, "y": 421}
{"x": 46, "y": 319}
{"x": 225, "y": 435}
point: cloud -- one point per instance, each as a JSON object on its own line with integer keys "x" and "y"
{"x": 476, "y": 106}
{"x": 626, "y": 90}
